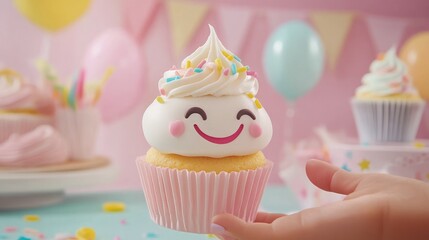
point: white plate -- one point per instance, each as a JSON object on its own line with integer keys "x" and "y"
{"x": 26, "y": 190}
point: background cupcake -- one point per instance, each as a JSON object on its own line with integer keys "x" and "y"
{"x": 387, "y": 107}
{"x": 206, "y": 133}
{"x": 23, "y": 106}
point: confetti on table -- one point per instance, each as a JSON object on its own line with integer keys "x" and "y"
{"x": 86, "y": 233}
{"x": 151, "y": 235}
{"x": 113, "y": 206}
{"x": 34, "y": 233}
{"x": 24, "y": 238}
{"x": 419, "y": 145}
{"x": 10, "y": 229}
{"x": 364, "y": 164}
{"x": 31, "y": 218}
{"x": 64, "y": 236}
{"x": 117, "y": 238}
{"x": 345, "y": 167}
{"x": 124, "y": 222}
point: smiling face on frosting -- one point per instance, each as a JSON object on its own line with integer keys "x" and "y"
{"x": 208, "y": 107}
{"x": 207, "y": 126}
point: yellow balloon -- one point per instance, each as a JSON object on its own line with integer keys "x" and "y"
{"x": 415, "y": 53}
{"x": 52, "y": 15}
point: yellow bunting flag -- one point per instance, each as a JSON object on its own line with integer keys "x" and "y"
{"x": 185, "y": 17}
{"x": 333, "y": 28}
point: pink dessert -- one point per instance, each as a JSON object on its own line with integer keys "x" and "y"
{"x": 42, "y": 146}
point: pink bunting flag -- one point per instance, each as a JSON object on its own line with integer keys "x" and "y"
{"x": 386, "y": 31}
{"x": 235, "y": 23}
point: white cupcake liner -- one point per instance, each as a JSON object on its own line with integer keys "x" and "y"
{"x": 20, "y": 124}
{"x": 386, "y": 121}
{"x": 80, "y": 130}
{"x": 187, "y": 200}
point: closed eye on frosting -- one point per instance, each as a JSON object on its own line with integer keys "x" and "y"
{"x": 196, "y": 110}
{"x": 245, "y": 112}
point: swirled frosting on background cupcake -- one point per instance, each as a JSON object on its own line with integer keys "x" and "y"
{"x": 388, "y": 78}
{"x": 42, "y": 146}
{"x": 18, "y": 96}
{"x": 208, "y": 107}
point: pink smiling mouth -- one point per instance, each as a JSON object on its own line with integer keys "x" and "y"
{"x": 219, "y": 140}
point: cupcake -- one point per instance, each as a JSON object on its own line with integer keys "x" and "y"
{"x": 387, "y": 108}
{"x": 39, "y": 147}
{"x": 23, "y": 106}
{"x": 207, "y": 130}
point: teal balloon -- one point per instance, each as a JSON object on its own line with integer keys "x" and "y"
{"x": 294, "y": 59}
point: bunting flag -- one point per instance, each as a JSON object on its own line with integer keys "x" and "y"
{"x": 184, "y": 17}
{"x": 235, "y": 23}
{"x": 278, "y": 17}
{"x": 386, "y": 31}
{"x": 138, "y": 15}
{"x": 333, "y": 28}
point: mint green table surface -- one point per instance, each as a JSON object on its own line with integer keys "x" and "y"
{"x": 80, "y": 210}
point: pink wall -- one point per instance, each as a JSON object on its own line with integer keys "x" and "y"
{"x": 327, "y": 104}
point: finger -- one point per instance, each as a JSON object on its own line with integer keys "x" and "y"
{"x": 332, "y": 179}
{"x": 351, "y": 220}
{"x": 230, "y": 227}
{"x": 263, "y": 217}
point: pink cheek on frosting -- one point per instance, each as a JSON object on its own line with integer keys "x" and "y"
{"x": 255, "y": 130}
{"x": 177, "y": 128}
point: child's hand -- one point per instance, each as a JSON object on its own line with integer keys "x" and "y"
{"x": 377, "y": 207}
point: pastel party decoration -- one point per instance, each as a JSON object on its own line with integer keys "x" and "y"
{"x": 333, "y": 28}
{"x": 76, "y": 93}
{"x": 386, "y": 31}
{"x": 52, "y": 15}
{"x": 415, "y": 54}
{"x": 294, "y": 59}
{"x": 115, "y": 49}
{"x": 185, "y": 17}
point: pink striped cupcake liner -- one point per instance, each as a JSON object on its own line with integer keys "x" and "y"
{"x": 186, "y": 200}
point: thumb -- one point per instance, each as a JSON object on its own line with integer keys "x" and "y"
{"x": 228, "y": 226}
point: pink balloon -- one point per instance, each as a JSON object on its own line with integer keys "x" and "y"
{"x": 116, "y": 49}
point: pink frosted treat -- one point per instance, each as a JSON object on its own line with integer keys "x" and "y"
{"x": 42, "y": 146}
{"x": 207, "y": 130}
{"x": 23, "y": 106}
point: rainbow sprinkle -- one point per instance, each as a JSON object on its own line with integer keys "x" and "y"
{"x": 242, "y": 69}
{"x": 226, "y": 72}
{"x": 237, "y": 58}
{"x": 201, "y": 63}
{"x": 218, "y": 63}
{"x": 198, "y": 70}
{"x": 250, "y": 95}
{"x": 233, "y": 69}
{"x": 188, "y": 64}
{"x": 160, "y": 100}
{"x": 170, "y": 79}
{"x": 258, "y": 104}
{"x": 227, "y": 55}
{"x": 162, "y": 91}
{"x": 252, "y": 73}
